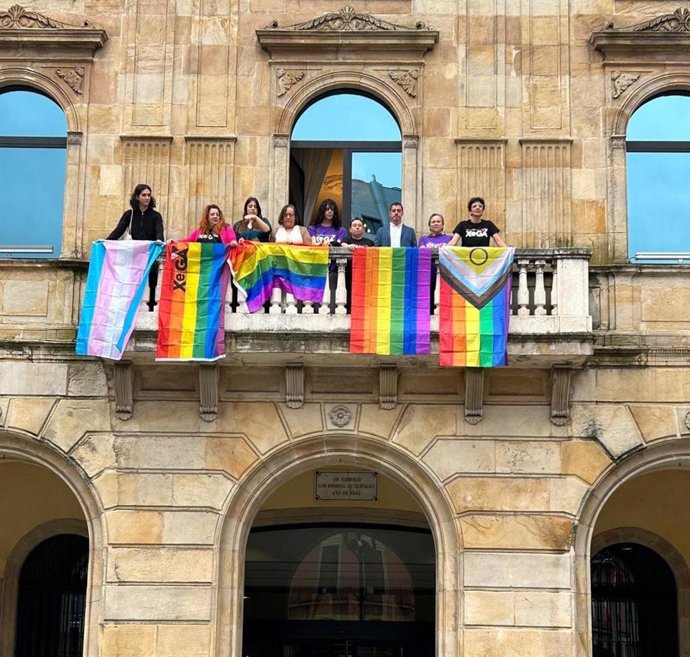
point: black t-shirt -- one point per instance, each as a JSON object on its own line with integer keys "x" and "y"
{"x": 208, "y": 238}
{"x": 363, "y": 241}
{"x": 472, "y": 234}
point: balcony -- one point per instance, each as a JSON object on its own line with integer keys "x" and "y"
{"x": 550, "y": 319}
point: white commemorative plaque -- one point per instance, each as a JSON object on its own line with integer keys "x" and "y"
{"x": 346, "y": 486}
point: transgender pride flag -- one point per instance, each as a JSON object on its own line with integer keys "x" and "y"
{"x": 115, "y": 286}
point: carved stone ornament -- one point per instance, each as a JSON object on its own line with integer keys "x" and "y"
{"x": 678, "y": 21}
{"x": 346, "y": 20}
{"x": 687, "y": 419}
{"x": 73, "y": 77}
{"x": 340, "y": 415}
{"x": 287, "y": 80}
{"x": 621, "y": 81}
{"x": 19, "y": 17}
{"x": 406, "y": 80}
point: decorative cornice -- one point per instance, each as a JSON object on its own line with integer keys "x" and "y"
{"x": 345, "y": 20}
{"x": 20, "y": 28}
{"x": 678, "y": 21}
{"x": 667, "y": 35}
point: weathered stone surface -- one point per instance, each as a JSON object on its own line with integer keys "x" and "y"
{"x": 518, "y": 532}
{"x": 28, "y": 413}
{"x": 95, "y": 453}
{"x": 566, "y": 494}
{"x": 189, "y": 527}
{"x": 157, "y": 603}
{"x": 72, "y": 418}
{"x": 518, "y": 608}
{"x": 186, "y": 640}
{"x": 86, "y": 379}
{"x": 134, "y": 527}
{"x": 21, "y": 378}
{"x": 375, "y": 421}
{"x": 231, "y": 455}
{"x": 202, "y": 490}
{"x": 612, "y": 426}
{"x": 260, "y": 422}
{"x": 515, "y": 422}
{"x": 159, "y": 565}
{"x": 26, "y": 298}
{"x": 489, "y": 608}
{"x": 489, "y": 643}
{"x": 655, "y": 422}
{"x": 128, "y": 640}
{"x": 420, "y": 424}
{"x": 527, "y": 457}
{"x": 448, "y": 456}
{"x": 499, "y": 494}
{"x": 516, "y": 570}
{"x": 584, "y": 459}
{"x": 303, "y": 421}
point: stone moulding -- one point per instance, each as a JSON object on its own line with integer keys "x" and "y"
{"x": 348, "y": 31}
{"x": 21, "y": 27}
{"x": 667, "y": 36}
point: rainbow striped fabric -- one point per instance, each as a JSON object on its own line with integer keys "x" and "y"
{"x": 475, "y": 306}
{"x": 191, "y": 311}
{"x": 115, "y": 285}
{"x": 258, "y": 268}
{"x": 390, "y": 301}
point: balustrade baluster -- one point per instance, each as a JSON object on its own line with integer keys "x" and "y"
{"x": 325, "y": 307}
{"x": 341, "y": 289}
{"x": 276, "y": 299}
{"x": 523, "y": 290}
{"x": 539, "y": 289}
{"x": 290, "y": 304}
{"x": 554, "y": 289}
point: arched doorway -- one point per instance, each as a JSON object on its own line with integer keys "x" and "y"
{"x": 51, "y": 600}
{"x": 332, "y": 578}
{"x": 346, "y": 146}
{"x": 634, "y": 603}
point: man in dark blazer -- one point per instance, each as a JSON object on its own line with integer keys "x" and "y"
{"x": 395, "y": 234}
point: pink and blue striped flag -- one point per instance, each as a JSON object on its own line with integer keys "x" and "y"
{"x": 115, "y": 286}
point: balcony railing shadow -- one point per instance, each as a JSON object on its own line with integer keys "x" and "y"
{"x": 549, "y": 297}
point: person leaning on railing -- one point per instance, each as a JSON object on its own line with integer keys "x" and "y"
{"x": 212, "y": 228}
{"x": 288, "y": 230}
{"x": 476, "y": 231}
{"x": 142, "y": 222}
{"x": 326, "y": 227}
{"x": 436, "y": 237}
{"x": 253, "y": 226}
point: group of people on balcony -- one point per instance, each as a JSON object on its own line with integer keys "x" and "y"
{"x": 143, "y": 222}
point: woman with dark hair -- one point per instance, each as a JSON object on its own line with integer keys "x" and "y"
{"x": 289, "y": 230}
{"x": 326, "y": 228}
{"x": 476, "y": 231}
{"x": 212, "y": 228}
{"x": 142, "y": 222}
{"x": 252, "y": 226}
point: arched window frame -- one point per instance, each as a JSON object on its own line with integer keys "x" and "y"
{"x": 361, "y": 52}
{"x": 55, "y": 58}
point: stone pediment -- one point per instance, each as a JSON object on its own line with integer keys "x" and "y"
{"x": 347, "y": 31}
{"x": 21, "y": 27}
{"x": 665, "y": 38}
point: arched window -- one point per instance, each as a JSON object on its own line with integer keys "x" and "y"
{"x": 347, "y": 147}
{"x": 634, "y": 603}
{"x": 52, "y": 598}
{"x": 658, "y": 166}
{"x": 33, "y": 152}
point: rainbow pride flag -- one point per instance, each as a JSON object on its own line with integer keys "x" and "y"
{"x": 475, "y": 306}
{"x": 390, "y": 301}
{"x": 115, "y": 285}
{"x": 257, "y": 268}
{"x": 191, "y": 311}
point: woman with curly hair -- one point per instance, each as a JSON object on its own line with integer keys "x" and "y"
{"x": 326, "y": 227}
{"x": 212, "y": 228}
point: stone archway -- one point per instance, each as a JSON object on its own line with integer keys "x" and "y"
{"x": 667, "y": 455}
{"x": 340, "y": 451}
{"x": 24, "y": 450}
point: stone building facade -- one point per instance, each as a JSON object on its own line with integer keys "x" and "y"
{"x": 521, "y": 476}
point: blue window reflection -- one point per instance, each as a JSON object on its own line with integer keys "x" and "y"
{"x": 33, "y": 142}
{"x": 658, "y": 170}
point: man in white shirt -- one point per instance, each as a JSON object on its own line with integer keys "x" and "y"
{"x": 396, "y": 233}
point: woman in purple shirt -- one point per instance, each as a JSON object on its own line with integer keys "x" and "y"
{"x": 327, "y": 228}
{"x": 436, "y": 237}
